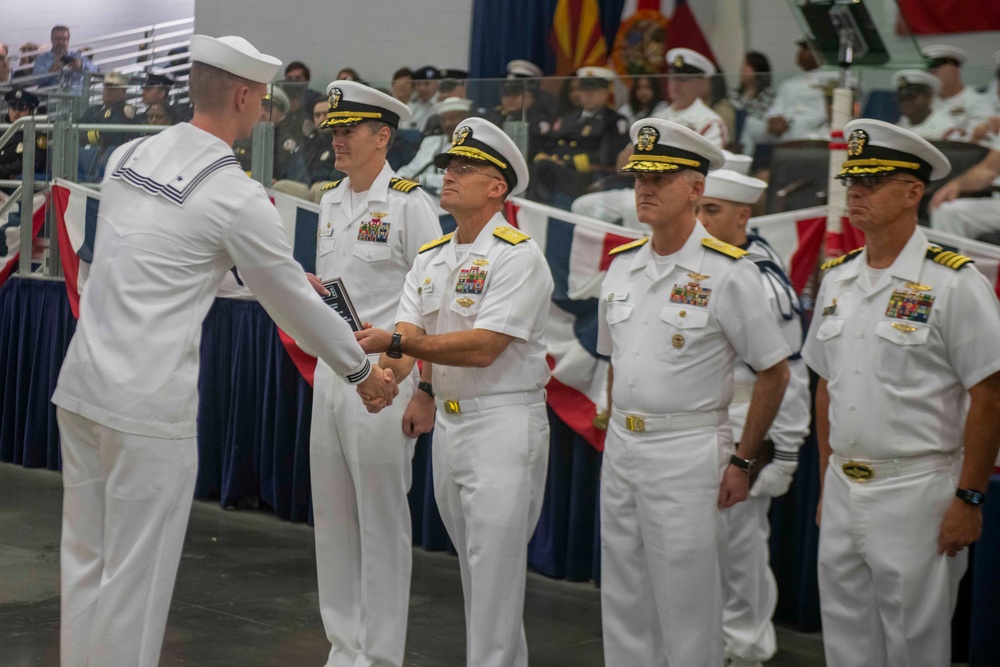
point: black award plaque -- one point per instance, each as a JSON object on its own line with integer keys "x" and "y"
{"x": 340, "y": 301}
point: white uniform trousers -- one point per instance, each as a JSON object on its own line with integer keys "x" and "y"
{"x": 360, "y": 469}
{"x": 489, "y": 482}
{"x": 969, "y": 217}
{"x": 886, "y": 596}
{"x": 126, "y": 502}
{"x": 661, "y": 594}
{"x": 749, "y": 591}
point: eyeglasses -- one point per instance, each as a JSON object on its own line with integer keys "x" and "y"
{"x": 870, "y": 182}
{"x": 466, "y": 169}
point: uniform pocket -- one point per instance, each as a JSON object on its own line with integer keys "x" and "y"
{"x": 898, "y": 351}
{"x": 376, "y": 256}
{"x": 687, "y": 329}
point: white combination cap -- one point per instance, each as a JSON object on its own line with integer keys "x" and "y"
{"x": 478, "y": 139}
{"x": 664, "y": 146}
{"x": 689, "y": 61}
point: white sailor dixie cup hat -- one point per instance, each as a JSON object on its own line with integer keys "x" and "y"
{"x": 234, "y": 55}
{"x": 732, "y": 186}
{"x": 906, "y": 81}
{"x": 452, "y": 104}
{"x": 478, "y": 139}
{"x": 941, "y": 54}
{"x": 663, "y": 146}
{"x": 352, "y": 102}
{"x": 876, "y": 148}
{"x": 689, "y": 61}
{"x": 737, "y": 162}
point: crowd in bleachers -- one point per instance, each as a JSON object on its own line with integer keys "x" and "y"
{"x": 574, "y": 131}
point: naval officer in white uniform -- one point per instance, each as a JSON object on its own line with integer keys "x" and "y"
{"x": 176, "y": 214}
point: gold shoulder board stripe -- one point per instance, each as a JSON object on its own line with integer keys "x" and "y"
{"x": 837, "y": 261}
{"x": 403, "y": 185}
{"x": 331, "y": 185}
{"x": 948, "y": 258}
{"x": 631, "y": 245}
{"x": 435, "y": 243}
{"x": 510, "y": 235}
{"x": 723, "y": 247}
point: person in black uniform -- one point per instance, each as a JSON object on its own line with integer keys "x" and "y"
{"x": 519, "y": 102}
{"x": 113, "y": 110}
{"x": 156, "y": 90}
{"x": 582, "y": 145}
{"x": 20, "y": 103}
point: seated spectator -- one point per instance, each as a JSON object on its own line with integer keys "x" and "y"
{"x": 64, "y": 66}
{"x": 158, "y": 113}
{"x": 425, "y": 88}
{"x": 969, "y": 217}
{"x": 5, "y": 68}
{"x": 348, "y": 74}
{"x": 156, "y": 90}
{"x": 754, "y": 96}
{"x": 582, "y": 145}
{"x": 113, "y": 110}
{"x": 286, "y": 143}
{"x": 402, "y": 84}
{"x": 545, "y": 102}
{"x": 966, "y": 107}
{"x": 449, "y": 112}
{"x": 985, "y": 131}
{"x": 20, "y": 103}
{"x": 644, "y": 100}
{"x": 452, "y": 86}
{"x": 569, "y": 96}
{"x": 799, "y": 110}
{"x": 313, "y": 166}
{"x": 301, "y": 99}
{"x": 686, "y": 84}
{"x": 519, "y": 103}
{"x": 915, "y": 93}
{"x": 26, "y": 54}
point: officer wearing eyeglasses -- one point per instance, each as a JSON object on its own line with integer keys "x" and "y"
{"x": 906, "y": 341}
{"x": 475, "y": 304}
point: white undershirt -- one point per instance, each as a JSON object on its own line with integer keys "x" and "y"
{"x": 357, "y": 199}
{"x": 872, "y": 275}
{"x": 664, "y": 262}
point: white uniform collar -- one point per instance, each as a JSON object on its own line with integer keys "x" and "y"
{"x": 481, "y": 246}
{"x": 378, "y": 192}
{"x": 907, "y": 265}
{"x": 689, "y": 257}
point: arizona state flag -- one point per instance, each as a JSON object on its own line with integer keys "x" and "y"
{"x": 577, "y": 38}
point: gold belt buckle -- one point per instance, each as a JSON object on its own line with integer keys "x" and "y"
{"x": 452, "y": 408}
{"x": 860, "y": 472}
{"x": 633, "y": 423}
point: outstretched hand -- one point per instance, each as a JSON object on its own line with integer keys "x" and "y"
{"x": 378, "y": 389}
{"x": 372, "y": 340}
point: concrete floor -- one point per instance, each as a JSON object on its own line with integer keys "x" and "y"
{"x": 246, "y": 596}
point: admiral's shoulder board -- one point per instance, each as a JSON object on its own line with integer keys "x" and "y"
{"x": 510, "y": 235}
{"x": 837, "y": 261}
{"x": 331, "y": 185}
{"x": 430, "y": 245}
{"x": 632, "y": 245}
{"x": 950, "y": 259}
{"x": 403, "y": 185}
{"x": 722, "y": 247}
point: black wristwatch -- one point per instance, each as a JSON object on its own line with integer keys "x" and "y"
{"x": 970, "y": 497}
{"x": 742, "y": 464}
{"x": 426, "y": 386}
{"x": 395, "y": 350}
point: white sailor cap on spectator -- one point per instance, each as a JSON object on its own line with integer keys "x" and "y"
{"x": 452, "y": 104}
{"x": 352, "y": 102}
{"x": 234, "y": 55}
{"x": 730, "y": 186}
{"x": 595, "y": 77}
{"x": 876, "y": 148}
{"x": 737, "y": 162}
{"x": 278, "y": 98}
{"x": 478, "y": 139}
{"x": 523, "y": 68}
{"x": 689, "y": 61}
{"x": 910, "y": 82}
{"x": 942, "y": 54}
{"x": 663, "y": 146}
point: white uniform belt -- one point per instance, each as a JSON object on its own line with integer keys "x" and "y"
{"x": 861, "y": 470}
{"x": 742, "y": 393}
{"x": 678, "y": 421}
{"x": 495, "y": 401}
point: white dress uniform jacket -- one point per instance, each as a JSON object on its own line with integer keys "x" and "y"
{"x": 939, "y": 126}
{"x": 176, "y": 214}
{"x": 421, "y": 168}
{"x": 967, "y": 109}
{"x": 673, "y": 327}
{"x": 360, "y": 463}
{"x": 801, "y": 102}
{"x": 700, "y": 118}
{"x": 749, "y": 588}
{"x": 969, "y": 216}
{"x": 491, "y": 435}
{"x": 899, "y": 356}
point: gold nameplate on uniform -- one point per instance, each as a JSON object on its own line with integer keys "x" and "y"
{"x": 831, "y": 309}
{"x": 677, "y": 341}
{"x": 465, "y": 301}
{"x": 858, "y": 471}
{"x": 633, "y": 423}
